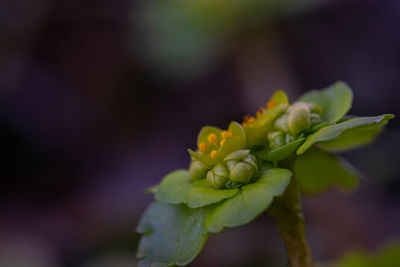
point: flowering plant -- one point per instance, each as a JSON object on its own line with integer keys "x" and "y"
{"x": 263, "y": 164}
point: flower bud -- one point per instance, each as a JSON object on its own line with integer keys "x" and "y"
{"x": 218, "y": 176}
{"x": 276, "y": 139}
{"x": 281, "y": 124}
{"x": 231, "y": 184}
{"x": 197, "y": 170}
{"x": 299, "y": 119}
{"x": 242, "y": 166}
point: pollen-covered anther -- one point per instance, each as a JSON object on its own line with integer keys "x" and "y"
{"x": 202, "y": 147}
{"x": 248, "y": 120}
{"x": 222, "y": 142}
{"x": 226, "y": 134}
{"x": 213, "y": 154}
{"x": 271, "y": 104}
{"x": 212, "y": 138}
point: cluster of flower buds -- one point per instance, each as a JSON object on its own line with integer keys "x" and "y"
{"x": 237, "y": 169}
{"x": 222, "y": 156}
{"x": 297, "y": 119}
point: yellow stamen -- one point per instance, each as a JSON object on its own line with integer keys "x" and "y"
{"x": 248, "y": 120}
{"x": 244, "y": 124}
{"x": 260, "y": 112}
{"x": 271, "y": 104}
{"x": 213, "y": 154}
{"x": 222, "y": 142}
{"x": 251, "y": 120}
{"x": 202, "y": 147}
{"x": 212, "y": 138}
{"x": 226, "y": 134}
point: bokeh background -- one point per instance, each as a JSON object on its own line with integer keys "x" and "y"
{"x": 100, "y": 99}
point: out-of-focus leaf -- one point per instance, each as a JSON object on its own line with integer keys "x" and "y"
{"x": 250, "y": 202}
{"x": 354, "y": 259}
{"x": 172, "y": 235}
{"x": 332, "y": 131}
{"x": 177, "y": 188}
{"x": 317, "y": 170}
{"x": 335, "y": 100}
{"x": 388, "y": 256}
{"x": 281, "y": 152}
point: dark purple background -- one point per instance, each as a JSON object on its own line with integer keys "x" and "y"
{"x": 100, "y": 99}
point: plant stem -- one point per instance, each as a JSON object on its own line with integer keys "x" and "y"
{"x": 289, "y": 218}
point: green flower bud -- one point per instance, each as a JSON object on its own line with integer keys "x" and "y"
{"x": 197, "y": 170}
{"x": 218, "y": 176}
{"x": 299, "y": 119}
{"x": 281, "y": 124}
{"x": 276, "y": 139}
{"x": 231, "y": 184}
{"x": 242, "y": 166}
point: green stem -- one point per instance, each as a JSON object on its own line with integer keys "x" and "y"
{"x": 289, "y": 218}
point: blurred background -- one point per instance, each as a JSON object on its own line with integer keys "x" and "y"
{"x": 100, "y": 99}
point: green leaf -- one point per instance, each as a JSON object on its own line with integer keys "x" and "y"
{"x": 251, "y": 201}
{"x": 335, "y": 100}
{"x": 202, "y": 193}
{"x": 173, "y": 187}
{"x": 281, "y": 152}
{"x": 388, "y": 256}
{"x": 332, "y": 131}
{"x": 353, "y": 138}
{"x": 176, "y": 188}
{"x": 318, "y": 170}
{"x": 172, "y": 235}
{"x": 355, "y": 259}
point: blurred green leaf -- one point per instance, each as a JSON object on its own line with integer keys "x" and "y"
{"x": 172, "y": 234}
{"x": 250, "y": 202}
{"x": 282, "y": 152}
{"x": 335, "y": 100}
{"x": 332, "y": 131}
{"x": 388, "y": 256}
{"x": 317, "y": 170}
{"x": 177, "y": 188}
